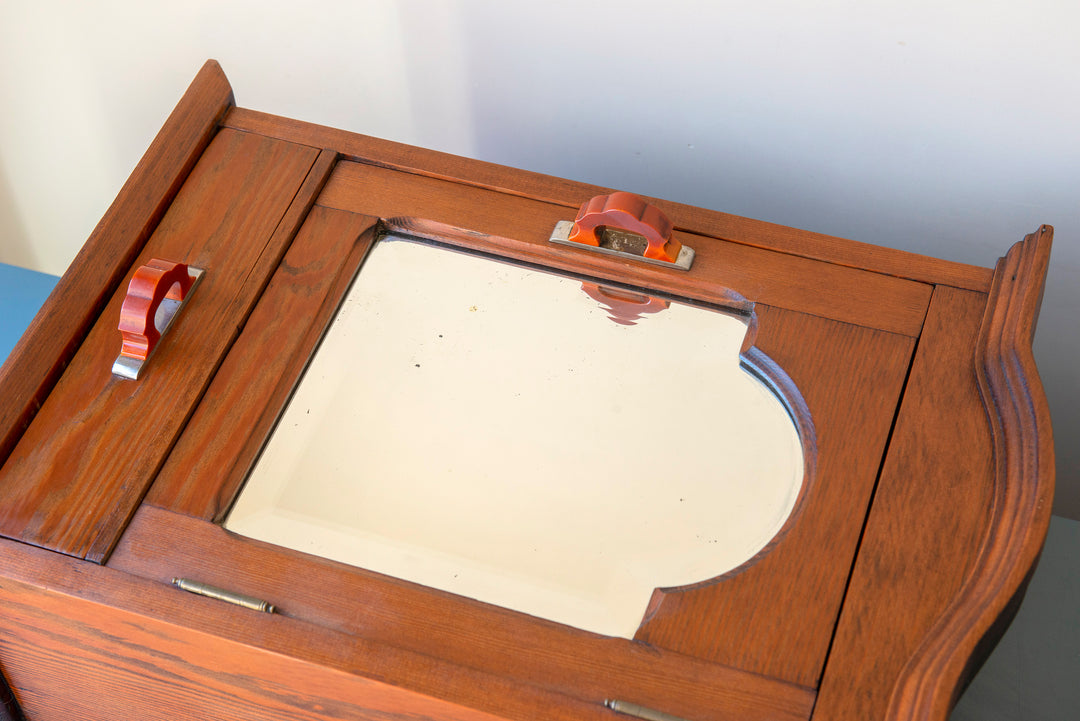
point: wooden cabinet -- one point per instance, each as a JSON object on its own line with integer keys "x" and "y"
{"x": 924, "y": 502}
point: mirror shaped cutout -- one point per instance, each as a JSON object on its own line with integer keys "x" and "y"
{"x": 529, "y": 440}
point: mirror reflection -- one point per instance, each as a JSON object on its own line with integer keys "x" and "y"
{"x": 524, "y": 439}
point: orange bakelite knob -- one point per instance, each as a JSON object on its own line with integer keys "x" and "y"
{"x": 627, "y": 212}
{"x": 151, "y": 284}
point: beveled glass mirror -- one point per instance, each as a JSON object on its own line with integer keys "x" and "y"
{"x": 534, "y": 441}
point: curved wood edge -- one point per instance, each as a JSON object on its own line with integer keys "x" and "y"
{"x": 1023, "y": 492}
{"x": 39, "y": 358}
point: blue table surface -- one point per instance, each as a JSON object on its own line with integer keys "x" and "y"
{"x": 22, "y": 292}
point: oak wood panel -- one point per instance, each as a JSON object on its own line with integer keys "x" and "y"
{"x": 38, "y": 360}
{"x": 570, "y": 194}
{"x": 963, "y": 506}
{"x": 225, "y": 434}
{"x": 84, "y": 643}
{"x": 85, "y": 462}
{"x": 832, "y": 291}
{"x": 928, "y": 515}
{"x": 160, "y": 544}
{"x": 776, "y": 614}
{"x": 1023, "y": 487}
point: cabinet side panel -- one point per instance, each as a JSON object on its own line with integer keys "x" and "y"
{"x": 928, "y": 518}
{"x": 76, "y": 475}
{"x": 39, "y": 359}
{"x": 73, "y": 659}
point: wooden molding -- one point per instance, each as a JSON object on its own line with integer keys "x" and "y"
{"x": 38, "y": 360}
{"x": 1023, "y": 486}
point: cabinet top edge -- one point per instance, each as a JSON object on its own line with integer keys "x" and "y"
{"x": 711, "y": 223}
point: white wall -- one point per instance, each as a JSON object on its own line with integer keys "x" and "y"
{"x": 946, "y": 127}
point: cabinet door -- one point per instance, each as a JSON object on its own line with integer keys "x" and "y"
{"x": 759, "y": 632}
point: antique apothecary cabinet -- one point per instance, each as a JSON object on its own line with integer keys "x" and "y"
{"x": 483, "y": 470}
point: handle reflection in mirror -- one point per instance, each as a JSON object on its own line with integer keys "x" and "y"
{"x": 624, "y": 307}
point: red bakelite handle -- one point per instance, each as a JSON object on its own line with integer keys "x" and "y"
{"x": 151, "y": 284}
{"x": 626, "y": 211}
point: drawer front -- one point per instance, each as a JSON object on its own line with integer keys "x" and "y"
{"x": 82, "y": 466}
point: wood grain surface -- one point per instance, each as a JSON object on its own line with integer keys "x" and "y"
{"x": 524, "y": 226}
{"x": 87, "y": 459}
{"x": 83, "y": 642}
{"x": 37, "y": 361}
{"x": 228, "y": 429}
{"x": 775, "y": 615}
{"x": 569, "y": 194}
{"x": 520, "y": 649}
{"x": 927, "y": 518}
{"x": 853, "y": 376}
{"x": 1023, "y": 488}
{"x": 961, "y": 511}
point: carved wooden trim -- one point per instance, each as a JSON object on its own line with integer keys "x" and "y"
{"x": 1023, "y": 490}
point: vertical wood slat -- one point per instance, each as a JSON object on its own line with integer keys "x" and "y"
{"x": 227, "y": 430}
{"x": 930, "y": 511}
{"x": 82, "y": 466}
{"x": 38, "y": 360}
{"x": 1022, "y": 484}
{"x": 972, "y": 531}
